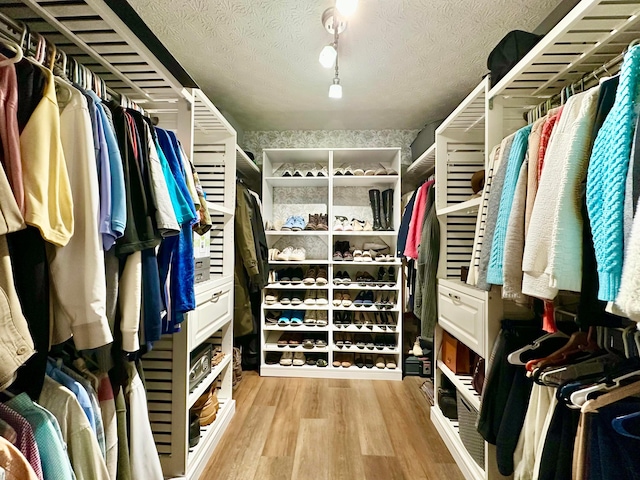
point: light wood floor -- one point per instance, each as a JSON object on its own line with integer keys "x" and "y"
{"x": 320, "y": 429}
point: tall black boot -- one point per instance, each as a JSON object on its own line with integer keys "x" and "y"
{"x": 374, "y": 198}
{"x": 387, "y": 208}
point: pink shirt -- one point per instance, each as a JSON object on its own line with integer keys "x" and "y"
{"x": 9, "y": 134}
{"x": 415, "y": 225}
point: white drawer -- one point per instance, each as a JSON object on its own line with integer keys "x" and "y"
{"x": 463, "y": 317}
{"x": 213, "y": 308}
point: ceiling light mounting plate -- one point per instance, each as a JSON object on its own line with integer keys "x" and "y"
{"x": 330, "y": 18}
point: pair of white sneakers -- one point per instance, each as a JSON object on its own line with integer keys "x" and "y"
{"x": 301, "y": 170}
{"x": 289, "y": 254}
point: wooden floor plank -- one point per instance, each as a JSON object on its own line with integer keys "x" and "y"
{"x": 319, "y": 429}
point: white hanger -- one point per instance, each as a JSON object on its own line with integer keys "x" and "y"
{"x": 514, "y": 357}
{"x": 580, "y": 397}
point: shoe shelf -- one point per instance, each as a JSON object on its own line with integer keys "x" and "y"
{"x": 296, "y": 233}
{"x": 299, "y": 262}
{"x": 274, "y": 347}
{"x": 384, "y": 288}
{"x": 364, "y": 329}
{"x": 296, "y": 286}
{"x": 371, "y": 309}
{"x": 294, "y": 182}
{"x": 366, "y": 351}
{"x": 302, "y": 306}
{"x": 289, "y": 328}
{"x": 208, "y": 380}
{"x": 373, "y": 262}
{"x": 462, "y": 384}
{"x": 365, "y": 180}
{"x": 350, "y": 373}
{"x": 210, "y": 435}
{"x": 364, "y": 233}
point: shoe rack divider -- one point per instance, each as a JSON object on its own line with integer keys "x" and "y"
{"x": 332, "y": 195}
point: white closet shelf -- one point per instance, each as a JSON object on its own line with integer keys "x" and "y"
{"x": 386, "y": 288}
{"x": 277, "y": 306}
{"x": 470, "y": 207}
{"x": 373, "y": 181}
{"x": 297, "y": 182}
{"x": 371, "y": 309}
{"x": 210, "y": 435}
{"x": 462, "y": 384}
{"x": 244, "y": 164}
{"x": 220, "y": 208}
{"x": 301, "y": 233}
{"x": 297, "y": 286}
{"x": 299, "y": 262}
{"x": 350, "y": 373}
{"x": 364, "y": 264}
{"x": 354, "y": 329}
{"x": 301, "y": 328}
{"x": 370, "y": 233}
{"x": 366, "y": 351}
{"x": 206, "y": 382}
{"x": 449, "y": 431}
{"x": 273, "y": 347}
{"x": 469, "y": 116}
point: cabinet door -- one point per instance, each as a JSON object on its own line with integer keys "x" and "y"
{"x": 463, "y": 316}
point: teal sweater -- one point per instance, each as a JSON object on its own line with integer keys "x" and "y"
{"x": 606, "y": 176}
{"x": 516, "y": 157}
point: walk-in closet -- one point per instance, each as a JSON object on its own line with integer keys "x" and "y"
{"x": 318, "y": 240}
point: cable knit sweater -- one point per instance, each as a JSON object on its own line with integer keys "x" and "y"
{"x": 552, "y": 258}
{"x": 606, "y": 178}
{"x": 514, "y": 240}
{"x": 516, "y": 157}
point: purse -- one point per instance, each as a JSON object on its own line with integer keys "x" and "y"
{"x": 477, "y": 379}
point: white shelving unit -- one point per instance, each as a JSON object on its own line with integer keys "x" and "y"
{"x": 109, "y": 48}
{"x": 332, "y": 195}
{"x": 592, "y": 34}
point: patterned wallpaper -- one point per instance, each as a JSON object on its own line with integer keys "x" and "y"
{"x": 256, "y": 141}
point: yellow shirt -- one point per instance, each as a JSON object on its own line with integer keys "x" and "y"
{"x": 48, "y": 201}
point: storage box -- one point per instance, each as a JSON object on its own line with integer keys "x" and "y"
{"x": 202, "y": 269}
{"x": 418, "y": 366}
{"x": 200, "y": 365}
{"x": 201, "y": 245}
{"x": 471, "y": 439}
{"x": 455, "y": 355}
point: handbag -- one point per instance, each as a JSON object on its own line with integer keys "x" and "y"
{"x": 477, "y": 379}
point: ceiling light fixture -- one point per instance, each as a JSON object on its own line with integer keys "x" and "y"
{"x": 335, "y": 90}
{"x": 328, "y": 55}
{"x": 347, "y": 7}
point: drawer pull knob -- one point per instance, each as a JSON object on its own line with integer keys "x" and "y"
{"x": 455, "y": 297}
{"x": 216, "y": 296}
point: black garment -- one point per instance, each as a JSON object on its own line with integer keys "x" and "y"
{"x": 404, "y": 224}
{"x": 151, "y": 298}
{"x": 500, "y": 379}
{"x": 591, "y": 311}
{"x": 557, "y": 454}
{"x": 31, "y": 82}
{"x": 139, "y": 233}
{"x": 31, "y": 275}
{"x": 260, "y": 241}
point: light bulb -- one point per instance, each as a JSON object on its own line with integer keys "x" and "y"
{"x": 335, "y": 90}
{"x": 328, "y": 56}
{"x": 347, "y": 7}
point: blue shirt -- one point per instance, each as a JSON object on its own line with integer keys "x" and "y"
{"x": 78, "y": 390}
{"x": 53, "y": 455}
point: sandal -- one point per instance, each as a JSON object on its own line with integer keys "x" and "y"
{"x": 310, "y": 277}
{"x": 337, "y": 299}
{"x": 308, "y": 343}
{"x": 272, "y": 318}
{"x": 311, "y": 361}
{"x": 321, "y": 362}
{"x": 380, "y": 363}
{"x": 296, "y": 319}
{"x": 321, "y": 278}
{"x": 357, "y": 256}
{"x": 321, "y": 318}
{"x": 310, "y": 318}
{"x": 283, "y": 341}
{"x": 359, "y": 361}
{"x": 284, "y": 320}
{"x": 368, "y": 361}
{"x": 366, "y": 256}
{"x": 299, "y": 359}
{"x": 391, "y": 363}
{"x": 270, "y": 298}
{"x": 320, "y": 343}
{"x": 286, "y": 359}
{"x": 346, "y": 300}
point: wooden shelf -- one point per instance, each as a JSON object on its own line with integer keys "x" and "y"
{"x": 220, "y": 208}
{"x": 206, "y": 382}
{"x": 462, "y": 384}
{"x": 470, "y": 207}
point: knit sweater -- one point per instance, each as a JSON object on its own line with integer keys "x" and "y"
{"x": 514, "y": 240}
{"x": 607, "y": 174}
{"x": 532, "y": 173}
{"x": 629, "y": 295}
{"x": 492, "y": 211}
{"x": 516, "y": 157}
{"x": 552, "y": 258}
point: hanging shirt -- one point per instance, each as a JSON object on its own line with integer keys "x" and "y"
{"x": 48, "y": 197}
{"x": 82, "y": 445}
{"x": 26, "y": 442}
{"x": 13, "y": 463}
{"x": 9, "y": 133}
{"x": 55, "y": 461}
{"x": 181, "y": 204}
{"x": 80, "y": 393}
{"x": 77, "y": 269}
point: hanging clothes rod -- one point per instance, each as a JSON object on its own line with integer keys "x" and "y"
{"x": 586, "y": 81}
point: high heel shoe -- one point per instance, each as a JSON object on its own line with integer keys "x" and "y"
{"x": 379, "y": 301}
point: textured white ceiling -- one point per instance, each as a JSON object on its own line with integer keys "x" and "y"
{"x": 403, "y": 63}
